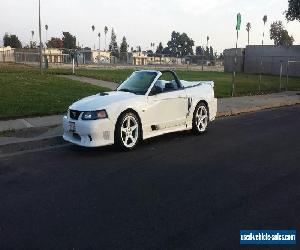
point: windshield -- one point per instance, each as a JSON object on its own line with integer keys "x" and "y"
{"x": 138, "y": 83}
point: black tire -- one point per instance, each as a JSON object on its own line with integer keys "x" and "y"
{"x": 127, "y": 138}
{"x": 200, "y": 127}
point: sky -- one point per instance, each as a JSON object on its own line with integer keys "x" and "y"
{"x": 145, "y": 21}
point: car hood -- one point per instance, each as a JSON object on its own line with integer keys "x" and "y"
{"x": 102, "y": 100}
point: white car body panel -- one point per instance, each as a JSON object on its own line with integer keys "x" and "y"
{"x": 168, "y": 112}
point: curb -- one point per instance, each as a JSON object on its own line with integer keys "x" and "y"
{"x": 30, "y": 122}
{"x": 31, "y": 145}
{"x": 237, "y": 111}
{"x": 12, "y": 148}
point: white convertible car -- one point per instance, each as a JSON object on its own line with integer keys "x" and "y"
{"x": 149, "y": 103}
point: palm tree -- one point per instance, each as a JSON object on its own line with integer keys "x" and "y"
{"x": 46, "y": 28}
{"x": 208, "y": 55}
{"x": 105, "y": 32}
{"x": 93, "y": 29}
{"x": 99, "y": 35}
{"x": 248, "y": 28}
{"x": 265, "y": 19}
{"x": 152, "y": 45}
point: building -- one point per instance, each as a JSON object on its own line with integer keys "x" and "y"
{"x": 100, "y": 56}
{"x": 139, "y": 58}
{"x": 54, "y": 55}
{"x": 229, "y": 60}
{"x": 267, "y": 59}
{"x": 270, "y": 59}
{"x": 7, "y": 54}
{"x": 165, "y": 59}
{"x": 143, "y": 58}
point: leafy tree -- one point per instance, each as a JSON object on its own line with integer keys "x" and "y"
{"x": 206, "y": 53}
{"x": 248, "y": 28}
{"x": 280, "y": 35}
{"x": 160, "y": 48}
{"x": 150, "y": 52}
{"x": 180, "y": 45}
{"x": 199, "y": 51}
{"x": 12, "y": 41}
{"x": 139, "y": 49}
{"x": 69, "y": 40}
{"x": 113, "y": 46}
{"x": 55, "y": 42}
{"x": 211, "y": 53}
{"x": 293, "y": 12}
{"x": 32, "y": 45}
{"x": 166, "y": 51}
{"x": 93, "y": 28}
{"x": 124, "y": 45}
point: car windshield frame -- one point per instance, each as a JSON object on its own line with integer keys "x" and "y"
{"x": 142, "y": 78}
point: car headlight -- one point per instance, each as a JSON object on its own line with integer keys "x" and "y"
{"x": 94, "y": 115}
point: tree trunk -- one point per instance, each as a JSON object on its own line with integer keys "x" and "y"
{"x": 248, "y": 37}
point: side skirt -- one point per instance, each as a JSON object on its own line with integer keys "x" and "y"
{"x": 166, "y": 131}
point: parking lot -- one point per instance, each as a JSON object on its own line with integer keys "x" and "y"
{"x": 177, "y": 191}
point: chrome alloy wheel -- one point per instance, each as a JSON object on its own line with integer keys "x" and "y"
{"x": 201, "y": 118}
{"x": 129, "y": 131}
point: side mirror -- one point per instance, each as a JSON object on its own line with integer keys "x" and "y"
{"x": 156, "y": 90}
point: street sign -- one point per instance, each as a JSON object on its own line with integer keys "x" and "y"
{"x": 238, "y": 21}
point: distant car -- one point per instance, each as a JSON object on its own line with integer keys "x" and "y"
{"x": 149, "y": 103}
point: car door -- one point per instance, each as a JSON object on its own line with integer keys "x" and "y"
{"x": 167, "y": 109}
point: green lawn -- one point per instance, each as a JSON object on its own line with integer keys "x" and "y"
{"x": 246, "y": 84}
{"x": 24, "y": 92}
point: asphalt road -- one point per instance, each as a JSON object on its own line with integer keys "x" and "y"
{"x": 177, "y": 191}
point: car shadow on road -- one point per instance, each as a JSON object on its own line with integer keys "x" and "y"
{"x": 148, "y": 144}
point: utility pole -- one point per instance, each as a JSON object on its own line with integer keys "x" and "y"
{"x": 40, "y": 35}
{"x": 238, "y": 27}
{"x": 265, "y": 19}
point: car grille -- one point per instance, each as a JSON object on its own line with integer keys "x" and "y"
{"x": 74, "y": 114}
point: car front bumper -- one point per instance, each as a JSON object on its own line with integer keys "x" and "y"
{"x": 89, "y": 133}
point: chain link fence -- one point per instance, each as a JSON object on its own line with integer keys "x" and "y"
{"x": 103, "y": 59}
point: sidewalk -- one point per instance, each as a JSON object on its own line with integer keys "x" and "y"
{"x": 40, "y": 128}
{"x": 101, "y": 83}
{"x": 245, "y": 104}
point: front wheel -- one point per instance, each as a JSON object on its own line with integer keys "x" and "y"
{"x": 200, "y": 119}
{"x": 127, "y": 134}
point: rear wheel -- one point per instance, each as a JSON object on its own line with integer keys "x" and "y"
{"x": 200, "y": 118}
{"x": 127, "y": 134}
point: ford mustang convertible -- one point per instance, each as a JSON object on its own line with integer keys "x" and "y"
{"x": 149, "y": 103}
